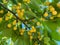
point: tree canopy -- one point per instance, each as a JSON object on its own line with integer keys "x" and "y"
{"x": 29, "y": 22}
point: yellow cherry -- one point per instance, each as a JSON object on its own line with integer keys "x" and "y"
{"x": 1, "y": 11}
{"x": 52, "y": 9}
{"x": 31, "y": 37}
{"x": 45, "y": 14}
{"x": 0, "y": 19}
{"x": 29, "y": 33}
{"x": 21, "y": 14}
{"x": 33, "y": 30}
{"x": 54, "y": 12}
{"x": 58, "y": 5}
{"x": 58, "y": 15}
{"x": 47, "y": 3}
{"x": 15, "y": 28}
{"x": 51, "y": 17}
{"x": 27, "y": 1}
{"x": 14, "y": 7}
{"x": 42, "y": 19}
{"x": 35, "y": 43}
{"x": 18, "y": 23}
{"x": 9, "y": 25}
{"x": 39, "y": 37}
{"x": 38, "y": 23}
{"x": 29, "y": 9}
{"x": 8, "y": 14}
{"x": 19, "y": 4}
{"x": 33, "y": 27}
{"x": 18, "y": 11}
{"x": 6, "y": 18}
{"x": 14, "y": 22}
{"x": 38, "y": 33}
{"x": 4, "y": 1}
{"x": 17, "y": 7}
{"x": 21, "y": 33}
{"x": 58, "y": 30}
{"x": 22, "y": 30}
{"x": 22, "y": 10}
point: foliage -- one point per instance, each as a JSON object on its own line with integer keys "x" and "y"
{"x": 29, "y": 22}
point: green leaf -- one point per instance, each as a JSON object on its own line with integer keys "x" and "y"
{"x": 52, "y": 25}
{"x": 52, "y": 42}
{"x": 55, "y": 36}
{"x": 6, "y": 31}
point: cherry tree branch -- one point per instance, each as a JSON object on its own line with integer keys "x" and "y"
{"x": 2, "y": 5}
